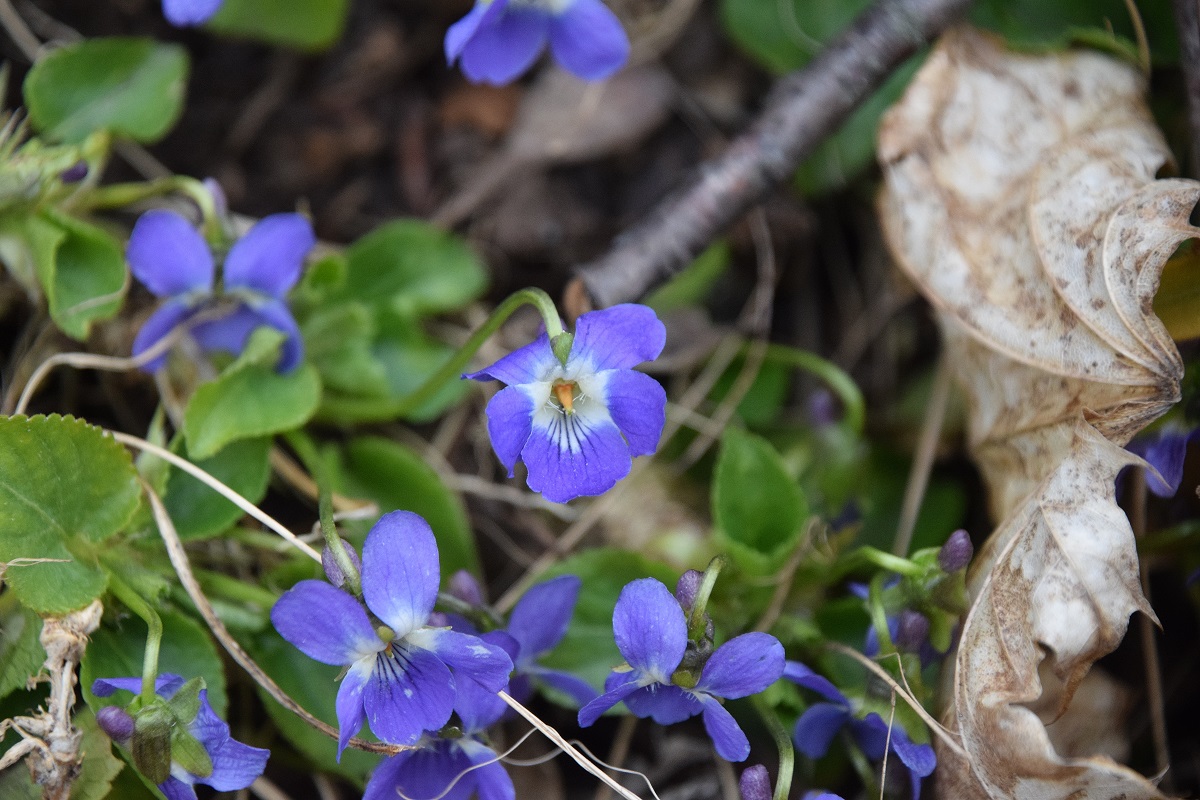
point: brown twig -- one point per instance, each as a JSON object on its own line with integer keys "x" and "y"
{"x": 1187, "y": 22}
{"x": 805, "y": 108}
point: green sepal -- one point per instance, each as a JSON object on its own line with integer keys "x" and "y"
{"x": 561, "y": 345}
{"x": 151, "y": 746}
{"x": 185, "y": 703}
{"x": 187, "y": 752}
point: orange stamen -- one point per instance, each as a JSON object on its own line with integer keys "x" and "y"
{"x": 565, "y": 392}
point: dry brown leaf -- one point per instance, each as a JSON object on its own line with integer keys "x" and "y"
{"x": 1021, "y": 197}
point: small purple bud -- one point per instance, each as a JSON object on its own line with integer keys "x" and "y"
{"x": 74, "y": 173}
{"x": 956, "y": 552}
{"x": 218, "y": 195}
{"x": 116, "y": 722}
{"x": 332, "y": 570}
{"x": 464, "y": 586}
{"x": 687, "y": 588}
{"x": 755, "y": 783}
{"x": 911, "y": 631}
{"x": 823, "y": 408}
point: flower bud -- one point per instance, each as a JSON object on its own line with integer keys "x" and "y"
{"x": 956, "y": 553}
{"x": 755, "y": 783}
{"x": 332, "y": 571}
{"x": 912, "y": 630}
{"x": 74, "y": 173}
{"x": 687, "y": 587}
{"x": 116, "y": 722}
{"x": 220, "y": 203}
{"x": 463, "y": 586}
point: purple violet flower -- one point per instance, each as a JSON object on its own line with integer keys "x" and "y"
{"x": 577, "y": 427}
{"x": 185, "y": 13}
{"x": 399, "y": 677}
{"x": 500, "y": 39}
{"x": 1165, "y": 449}
{"x": 821, "y": 722}
{"x": 652, "y": 635}
{"x": 234, "y": 765}
{"x": 538, "y": 622}
{"x": 169, "y": 256}
{"x": 429, "y": 771}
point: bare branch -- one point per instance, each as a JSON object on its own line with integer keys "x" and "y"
{"x": 805, "y": 108}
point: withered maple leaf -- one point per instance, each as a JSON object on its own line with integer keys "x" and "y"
{"x": 1021, "y": 197}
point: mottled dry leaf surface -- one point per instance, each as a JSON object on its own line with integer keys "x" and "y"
{"x": 1021, "y": 197}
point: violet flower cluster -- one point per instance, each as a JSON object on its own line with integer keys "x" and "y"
{"x": 403, "y": 675}
{"x": 233, "y": 765}
{"x": 578, "y": 425}
{"x": 170, "y": 257}
{"x": 821, "y": 722}
{"x": 500, "y": 39}
{"x": 670, "y": 678}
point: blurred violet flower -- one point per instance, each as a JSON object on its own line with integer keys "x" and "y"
{"x": 399, "y": 677}
{"x": 577, "y": 427}
{"x": 467, "y": 761}
{"x": 538, "y": 622}
{"x": 1165, "y": 449}
{"x": 234, "y": 765}
{"x": 822, "y": 721}
{"x": 660, "y": 680}
{"x": 169, "y": 256}
{"x": 500, "y": 39}
{"x": 185, "y": 13}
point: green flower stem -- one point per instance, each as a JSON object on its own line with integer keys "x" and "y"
{"x": 306, "y": 449}
{"x": 696, "y": 626}
{"x": 783, "y": 742}
{"x": 120, "y": 195}
{"x": 453, "y": 368}
{"x": 878, "y": 615}
{"x": 870, "y": 556}
{"x": 134, "y": 602}
{"x": 219, "y": 584}
{"x": 833, "y": 376}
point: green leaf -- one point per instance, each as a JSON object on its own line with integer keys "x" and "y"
{"x": 187, "y": 651}
{"x": 131, "y": 87}
{"x": 303, "y": 24}
{"x": 21, "y": 653}
{"x": 1033, "y": 24}
{"x": 408, "y": 358}
{"x": 396, "y": 478}
{"x": 340, "y": 337}
{"x": 411, "y": 268}
{"x": 757, "y": 507}
{"x": 64, "y": 488}
{"x": 589, "y": 650}
{"x": 85, "y": 277}
{"x": 250, "y": 399}
{"x": 314, "y": 686}
{"x": 197, "y": 510}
